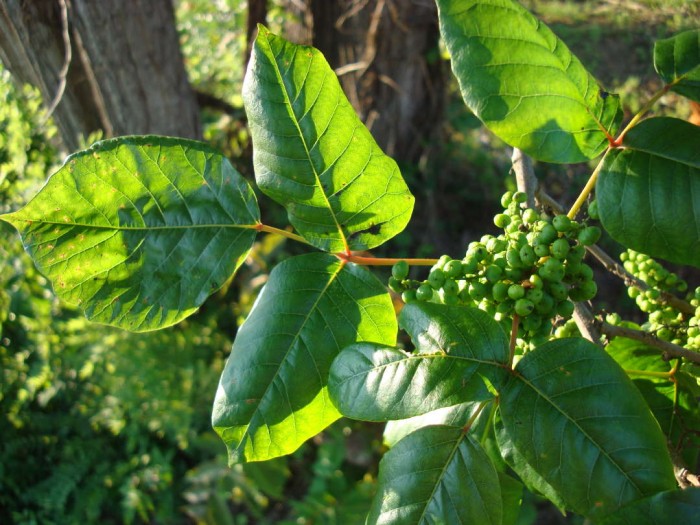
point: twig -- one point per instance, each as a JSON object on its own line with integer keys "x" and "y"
{"x": 670, "y": 350}
{"x": 525, "y": 176}
{"x": 586, "y": 323}
{"x": 67, "y": 57}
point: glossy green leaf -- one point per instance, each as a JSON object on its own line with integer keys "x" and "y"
{"x": 674, "y": 506}
{"x": 577, "y": 420}
{"x": 673, "y": 402}
{"x": 677, "y": 60}
{"x": 139, "y": 231}
{"x": 524, "y": 83}
{"x": 457, "y": 347}
{"x": 532, "y": 479}
{"x": 649, "y": 191}
{"x": 453, "y": 416}
{"x": 272, "y": 395}
{"x": 437, "y": 475}
{"x": 312, "y": 153}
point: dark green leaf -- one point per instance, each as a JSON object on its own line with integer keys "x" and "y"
{"x": 512, "y": 496}
{"x": 576, "y": 419}
{"x": 313, "y": 155}
{"x": 139, "y": 231}
{"x": 674, "y": 506}
{"x": 673, "y": 402}
{"x": 524, "y": 83}
{"x": 529, "y": 476}
{"x": 649, "y": 191}
{"x": 272, "y": 395}
{"x": 437, "y": 475}
{"x": 457, "y": 347}
{"x": 677, "y": 60}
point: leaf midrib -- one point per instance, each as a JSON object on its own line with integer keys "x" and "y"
{"x": 246, "y": 434}
{"x": 293, "y": 117}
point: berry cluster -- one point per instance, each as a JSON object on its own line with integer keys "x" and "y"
{"x": 534, "y": 270}
{"x": 664, "y": 320}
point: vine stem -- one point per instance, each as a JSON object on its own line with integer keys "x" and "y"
{"x": 588, "y": 188}
{"x": 284, "y": 233}
{"x": 383, "y": 261}
{"x": 645, "y": 109}
{"x": 475, "y": 415}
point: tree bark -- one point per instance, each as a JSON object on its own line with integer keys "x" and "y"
{"x": 126, "y": 74}
{"x": 386, "y": 55}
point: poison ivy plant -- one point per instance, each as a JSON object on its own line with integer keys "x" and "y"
{"x": 140, "y": 230}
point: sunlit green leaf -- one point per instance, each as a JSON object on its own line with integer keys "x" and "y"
{"x": 453, "y": 416}
{"x": 524, "y": 83}
{"x": 649, "y": 191}
{"x": 437, "y": 475}
{"x": 313, "y": 154}
{"x": 674, "y": 506}
{"x": 677, "y": 60}
{"x": 272, "y": 395}
{"x": 457, "y": 348}
{"x": 577, "y": 420}
{"x": 139, "y": 231}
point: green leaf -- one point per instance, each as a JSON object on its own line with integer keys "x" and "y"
{"x": 674, "y": 506}
{"x": 272, "y": 395}
{"x": 649, "y": 191}
{"x": 672, "y": 401}
{"x": 453, "y": 416}
{"x": 512, "y": 496}
{"x": 529, "y": 476}
{"x": 677, "y": 60}
{"x": 437, "y": 475}
{"x": 457, "y": 347}
{"x": 576, "y": 419}
{"x": 139, "y": 231}
{"x": 524, "y": 83}
{"x": 312, "y": 153}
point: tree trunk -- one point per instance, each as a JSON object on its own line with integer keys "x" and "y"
{"x": 125, "y": 76}
{"x": 386, "y": 55}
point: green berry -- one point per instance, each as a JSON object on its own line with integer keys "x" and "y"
{"x": 584, "y": 291}
{"x": 516, "y": 291}
{"x": 424, "y": 292}
{"x": 436, "y": 278}
{"x": 493, "y": 273}
{"x": 535, "y": 295}
{"x": 400, "y": 270}
{"x": 450, "y": 287}
{"x": 552, "y": 270}
{"x": 453, "y": 269}
{"x": 558, "y": 290}
{"x": 499, "y": 292}
{"x": 501, "y": 220}
{"x": 548, "y": 233}
{"x": 519, "y": 196}
{"x": 478, "y": 290}
{"x": 524, "y": 307}
{"x": 395, "y": 285}
{"x": 589, "y": 235}
{"x": 506, "y": 199}
{"x": 408, "y": 296}
{"x": 560, "y": 247}
{"x": 527, "y": 254}
{"x": 561, "y": 223}
{"x": 593, "y": 210}
{"x": 565, "y": 309}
